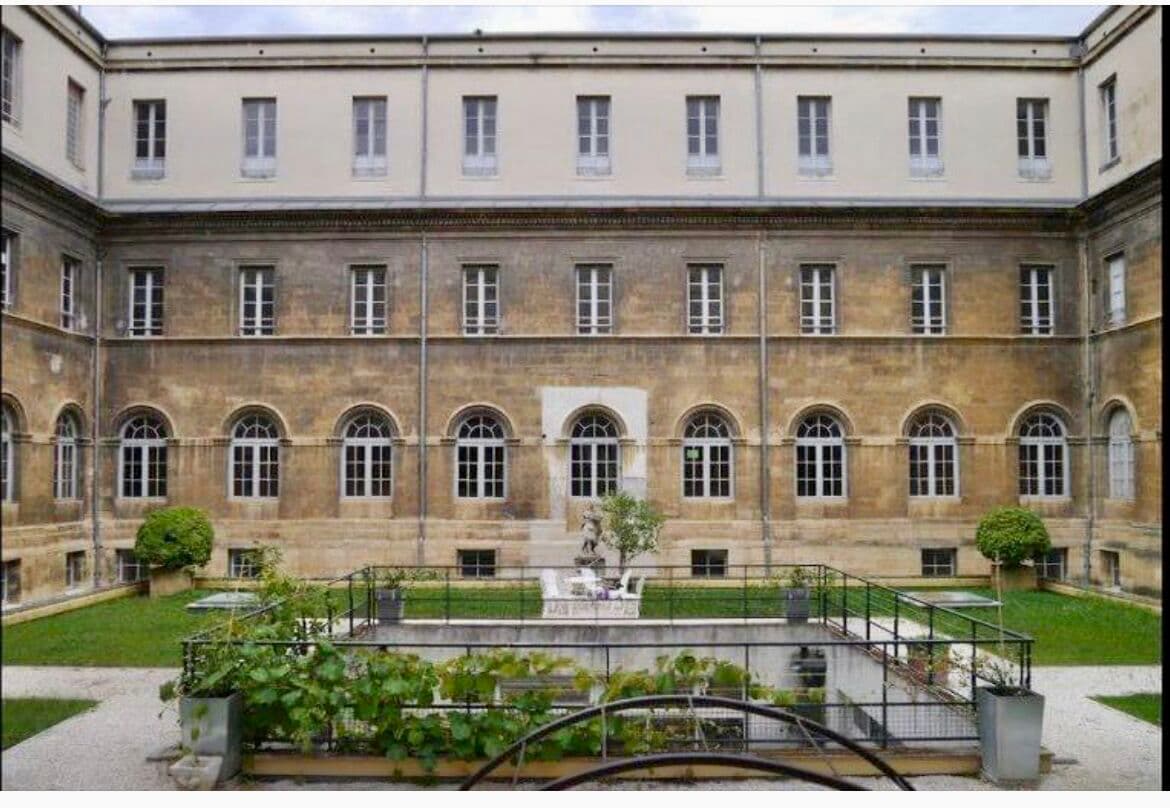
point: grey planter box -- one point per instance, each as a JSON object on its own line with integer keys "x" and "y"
{"x": 220, "y": 722}
{"x": 1010, "y": 728}
{"x": 796, "y": 604}
{"x": 390, "y": 605}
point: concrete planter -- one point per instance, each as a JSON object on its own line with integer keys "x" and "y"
{"x": 796, "y": 604}
{"x": 1010, "y": 728}
{"x": 196, "y": 773}
{"x": 390, "y": 604}
{"x": 220, "y": 725}
{"x": 165, "y": 582}
{"x": 1014, "y": 579}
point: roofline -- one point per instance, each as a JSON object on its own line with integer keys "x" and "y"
{"x": 1096, "y": 21}
{"x": 90, "y": 28}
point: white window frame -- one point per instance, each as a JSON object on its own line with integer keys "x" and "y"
{"x": 707, "y": 566}
{"x": 710, "y": 320}
{"x": 252, "y": 478}
{"x": 10, "y": 596}
{"x": 703, "y": 161}
{"x": 75, "y": 124}
{"x": 819, "y": 447}
{"x": 813, "y": 125}
{"x": 477, "y": 111}
{"x": 7, "y": 267}
{"x": 365, "y": 447}
{"x": 1110, "y": 136}
{"x": 934, "y": 569}
{"x": 150, "y": 281}
{"x": 705, "y": 463}
{"x": 931, "y": 446}
{"x": 259, "y": 278}
{"x": 477, "y": 280}
{"x": 125, "y": 560}
{"x": 364, "y": 283}
{"x": 924, "y": 164}
{"x": 70, "y": 272}
{"x": 153, "y": 166}
{"x": 812, "y": 288}
{"x": 1035, "y": 279}
{"x": 482, "y": 567}
{"x": 242, "y": 563}
{"x": 1111, "y": 564}
{"x": 593, "y": 479}
{"x": 370, "y": 123}
{"x": 595, "y": 129}
{"x": 75, "y": 579}
{"x": 1115, "y": 272}
{"x": 66, "y": 458}
{"x": 142, "y": 449}
{"x": 261, "y": 162}
{"x": 482, "y": 447}
{"x": 594, "y": 293}
{"x": 933, "y": 320}
{"x": 1121, "y": 456}
{"x": 1033, "y": 136}
{"x": 1055, "y": 557}
{"x": 7, "y": 455}
{"x": 1048, "y": 449}
{"x": 12, "y": 57}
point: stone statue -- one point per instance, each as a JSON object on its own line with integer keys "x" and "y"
{"x": 590, "y": 530}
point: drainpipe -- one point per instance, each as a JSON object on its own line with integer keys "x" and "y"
{"x": 95, "y": 368}
{"x": 422, "y": 178}
{"x": 422, "y": 405}
{"x": 1079, "y": 50}
{"x": 1090, "y": 402}
{"x": 765, "y": 505}
{"x": 759, "y": 126}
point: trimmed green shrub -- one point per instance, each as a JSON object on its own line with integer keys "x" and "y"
{"x": 1011, "y": 536}
{"x": 173, "y": 538}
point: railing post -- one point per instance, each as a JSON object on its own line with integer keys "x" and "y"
{"x": 349, "y": 581}
{"x": 521, "y": 593}
{"x": 868, "y": 620}
{"x": 885, "y": 696}
{"x": 447, "y": 595}
{"x": 669, "y": 597}
{"x": 974, "y": 658}
{"x": 896, "y": 602}
{"x": 844, "y": 603}
{"x": 745, "y": 597}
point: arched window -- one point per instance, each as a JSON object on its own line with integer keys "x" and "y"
{"x": 707, "y": 457}
{"x": 480, "y": 452}
{"x": 820, "y": 457}
{"x": 367, "y": 469}
{"x": 7, "y": 457}
{"x": 593, "y": 456}
{"x": 934, "y": 468}
{"x": 1121, "y": 455}
{"x": 255, "y": 457}
{"x": 65, "y": 458}
{"x": 1043, "y": 457}
{"x": 142, "y": 458}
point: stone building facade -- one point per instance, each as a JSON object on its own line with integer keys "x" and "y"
{"x": 437, "y": 344}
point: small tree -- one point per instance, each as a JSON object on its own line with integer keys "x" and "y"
{"x": 173, "y": 538}
{"x": 630, "y": 526}
{"x": 1010, "y": 536}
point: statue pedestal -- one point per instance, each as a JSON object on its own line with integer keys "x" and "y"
{"x": 593, "y": 562}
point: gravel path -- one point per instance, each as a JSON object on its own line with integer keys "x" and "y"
{"x": 1096, "y": 747}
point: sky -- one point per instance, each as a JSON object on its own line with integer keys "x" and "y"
{"x": 218, "y": 20}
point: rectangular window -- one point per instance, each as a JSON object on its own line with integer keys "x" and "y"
{"x": 594, "y": 299}
{"x": 369, "y": 137}
{"x": 257, "y": 302}
{"x": 243, "y": 564}
{"x": 7, "y": 267}
{"x": 939, "y": 562}
{"x": 479, "y": 136}
{"x": 593, "y": 135}
{"x": 150, "y": 139}
{"x": 1053, "y": 564}
{"x": 74, "y": 108}
{"x": 70, "y": 270}
{"x": 1116, "y": 303}
{"x": 928, "y": 299}
{"x": 1111, "y": 568}
{"x": 476, "y": 563}
{"x": 130, "y": 569}
{"x": 708, "y": 563}
{"x": 259, "y": 138}
{"x": 1036, "y": 300}
{"x": 9, "y": 77}
{"x": 703, "y": 135}
{"x": 817, "y": 312}
{"x": 926, "y": 137}
{"x": 1109, "y": 121}
{"x": 705, "y": 298}
{"x": 481, "y": 305}
{"x": 368, "y": 306}
{"x": 65, "y": 467}
{"x": 74, "y": 569}
{"x": 812, "y": 136}
{"x": 11, "y": 582}
{"x": 1032, "y": 138}
{"x": 481, "y": 469}
{"x": 146, "y": 302}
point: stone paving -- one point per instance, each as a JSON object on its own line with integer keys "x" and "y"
{"x": 107, "y": 748}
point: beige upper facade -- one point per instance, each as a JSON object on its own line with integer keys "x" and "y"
{"x": 973, "y": 87}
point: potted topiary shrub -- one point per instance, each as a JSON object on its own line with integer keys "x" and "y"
{"x": 795, "y": 594}
{"x": 389, "y": 593}
{"x": 1011, "y": 723}
{"x": 1011, "y": 538}
{"x": 173, "y": 541}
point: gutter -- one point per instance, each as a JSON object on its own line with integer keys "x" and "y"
{"x": 95, "y": 369}
{"x": 422, "y": 404}
{"x": 1090, "y": 389}
{"x": 759, "y": 125}
{"x": 765, "y": 504}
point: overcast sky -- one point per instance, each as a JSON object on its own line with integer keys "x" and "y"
{"x": 150, "y": 21}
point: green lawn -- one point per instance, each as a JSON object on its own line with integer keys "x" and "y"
{"x": 24, "y": 718}
{"x": 1146, "y": 706}
{"x": 134, "y": 632}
